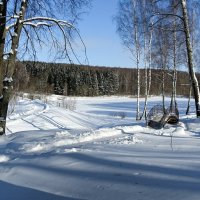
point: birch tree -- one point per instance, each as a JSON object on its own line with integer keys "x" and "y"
{"x": 195, "y": 84}
{"x": 165, "y": 12}
{"x": 195, "y": 46}
{"x": 184, "y": 23}
{"x": 132, "y": 33}
{"x": 25, "y": 26}
{"x": 161, "y": 56}
{"x": 147, "y": 40}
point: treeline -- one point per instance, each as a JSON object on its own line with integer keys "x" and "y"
{"x": 78, "y": 80}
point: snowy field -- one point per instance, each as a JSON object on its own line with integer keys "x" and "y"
{"x": 97, "y": 151}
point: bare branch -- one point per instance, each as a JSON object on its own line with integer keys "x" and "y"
{"x": 169, "y": 15}
{"x": 61, "y": 22}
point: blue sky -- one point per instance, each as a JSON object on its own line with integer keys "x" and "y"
{"x": 98, "y": 30}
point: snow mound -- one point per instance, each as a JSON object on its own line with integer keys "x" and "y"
{"x": 128, "y": 139}
{"x": 64, "y": 138}
{"x": 86, "y": 137}
{"x": 119, "y": 135}
{"x": 178, "y": 130}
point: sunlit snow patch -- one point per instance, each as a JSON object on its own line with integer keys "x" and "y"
{"x": 3, "y": 158}
{"x": 38, "y": 147}
{"x": 133, "y": 129}
{"x": 26, "y": 107}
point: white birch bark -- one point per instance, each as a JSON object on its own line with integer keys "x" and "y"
{"x": 138, "y": 75}
{"x": 195, "y": 84}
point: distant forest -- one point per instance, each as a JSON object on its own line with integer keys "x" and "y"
{"x": 81, "y": 80}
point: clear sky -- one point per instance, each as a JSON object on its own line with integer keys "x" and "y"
{"x": 98, "y": 30}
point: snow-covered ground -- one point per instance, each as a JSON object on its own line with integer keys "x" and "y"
{"x": 97, "y": 152}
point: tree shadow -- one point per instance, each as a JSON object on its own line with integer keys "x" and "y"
{"x": 192, "y": 125}
{"x": 124, "y": 173}
{"x": 14, "y": 192}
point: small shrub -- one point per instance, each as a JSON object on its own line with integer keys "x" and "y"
{"x": 67, "y": 102}
{"x": 12, "y": 103}
{"x": 71, "y": 103}
{"x": 31, "y": 96}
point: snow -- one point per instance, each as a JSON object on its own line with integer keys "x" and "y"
{"x": 6, "y": 78}
{"x": 93, "y": 152}
{"x": 11, "y": 52}
{"x": 14, "y": 35}
{"x": 3, "y": 158}
{"x": 15, "y": 16}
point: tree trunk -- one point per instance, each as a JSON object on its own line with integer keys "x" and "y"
{"x": 174, "y": 76}
{"x": 138, "y": 71}
{"x": 163, "y": 88}
{"x": 188, "y": 105}
{"x": 147, "y": 76}
{"x": 10, "y": 67}
{"x": 6, "y": 93}
{"x": 138, "y": 92}
{"x": 146, "y": 80}
{"x": 3, "y": 8}
{"x": 194, "y": 80}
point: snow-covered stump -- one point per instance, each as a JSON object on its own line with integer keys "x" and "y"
{"x": 155, "y": 117}
{"x": 2, "y": 126}
{"x": 158, "y": 117}
{"x": 172, "y": 115}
